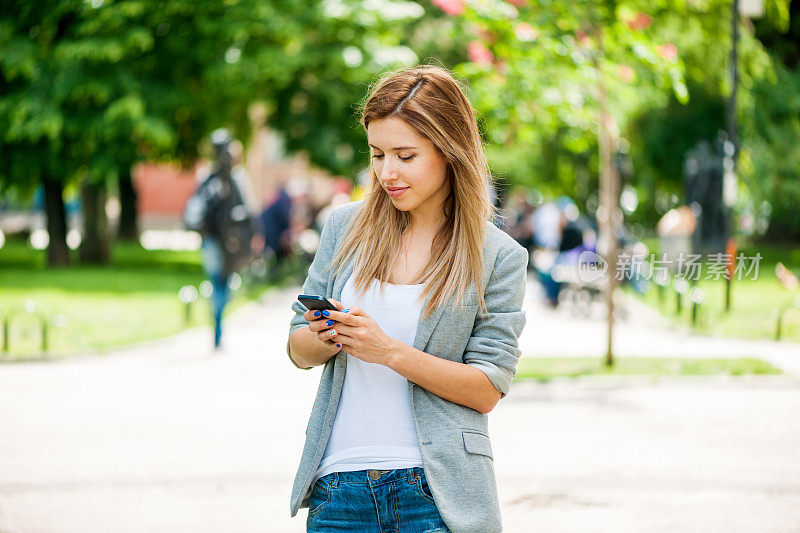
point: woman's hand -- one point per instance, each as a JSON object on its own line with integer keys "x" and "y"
{"x": 360, "y": 336}
{"x": 320, "y": 323}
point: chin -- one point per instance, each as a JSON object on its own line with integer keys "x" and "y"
{"x": 401, "y": 204}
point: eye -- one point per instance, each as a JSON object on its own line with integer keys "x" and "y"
{"x": 376, "y": 156}
{"x": 409, "y": 158}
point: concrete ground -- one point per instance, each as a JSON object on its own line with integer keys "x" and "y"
{"x": 171, "y": 437}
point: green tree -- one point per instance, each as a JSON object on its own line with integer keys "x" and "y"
{"x": 771, "y": 158}
{"x": 569, "y": 73}
{"x": 66, "y": 102}
{"x": 92, "y": 87}
{"x": 561, "y": 84}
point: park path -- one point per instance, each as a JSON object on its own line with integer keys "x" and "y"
{"x": 171, "y": 437}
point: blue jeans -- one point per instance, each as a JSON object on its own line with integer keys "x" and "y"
{"x": 398, "y": 501}
{"x": 213, "y": 260}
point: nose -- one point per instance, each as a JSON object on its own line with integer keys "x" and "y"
{"x": 387, "y": 172}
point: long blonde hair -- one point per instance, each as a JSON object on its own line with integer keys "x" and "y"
{"x": 430, "y": 100}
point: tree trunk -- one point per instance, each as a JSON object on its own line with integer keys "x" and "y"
{"x": 128, "y": 223}
{"x": 95, "y": 244}
{"x": 57, "y": 251}
{"x": 609, "y": 216}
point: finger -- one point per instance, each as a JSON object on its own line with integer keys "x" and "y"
{"x": 326, "y": 313}
{"x": 327, "y": 335}
{"x": 320, "y": 325}
{"x": 343, "y": 330}
{"x": 343, "y": 317}
{"x": 357, "y": 311}
{"x": 339, "y": 305}
{"x": 338, "y": 336}
{"x": 312, "y": 314}
{"x": 346, "y": 345}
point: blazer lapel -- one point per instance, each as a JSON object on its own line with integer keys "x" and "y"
{"x": 427, "y": 325}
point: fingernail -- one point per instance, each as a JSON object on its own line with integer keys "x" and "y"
{"x": 329, "y": 323}
{"x": 325, "y": 313}
{"x": 338, "y": 345}
{"x": 316, "y": 313}
{"x": 347, "y": 310}
{"x": 333, "y": 332}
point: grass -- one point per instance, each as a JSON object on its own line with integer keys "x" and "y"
{"x": 99, "y": 307}
{"x": 546, "y": 368}
{"x": 753, "y": 302}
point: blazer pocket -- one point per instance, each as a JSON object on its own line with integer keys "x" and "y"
{"x": 477, "y": 443}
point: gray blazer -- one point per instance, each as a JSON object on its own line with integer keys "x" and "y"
{"x": 453, "y": 439}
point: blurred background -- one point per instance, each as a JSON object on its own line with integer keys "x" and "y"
{"x": 647, "y": 153}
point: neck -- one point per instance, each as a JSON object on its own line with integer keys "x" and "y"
{"x": 427, "y": 221}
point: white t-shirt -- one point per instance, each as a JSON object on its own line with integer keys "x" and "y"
{"x": 374, "y": 427}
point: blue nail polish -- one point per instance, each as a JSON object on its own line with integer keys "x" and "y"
{"x": 347, "y": 310}
{"x": 325, "y": 313}
{"x": 329, "y": 323}
{"x": 338, "y": 345}
{"x": 316, "y": 313}
{"x": 333, "y": 332}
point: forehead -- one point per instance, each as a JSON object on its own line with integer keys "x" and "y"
{"x": 389, "y": 132}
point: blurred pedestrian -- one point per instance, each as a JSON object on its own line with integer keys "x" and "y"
{"x": 218, "y": 211}
{"x": 423, "y": 343}
{"x": 520, "y": 224}
{"x": 274, "y": 223}
{"x": 571, "y": 242}
{"x": 548, "y": 220}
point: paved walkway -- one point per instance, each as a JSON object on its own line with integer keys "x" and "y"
{"x": 169, "y": 437}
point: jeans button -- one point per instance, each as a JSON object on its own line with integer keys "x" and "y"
{"x": 374, "y": 475}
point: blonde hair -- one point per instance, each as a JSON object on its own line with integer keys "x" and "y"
{"x": 431, "y": 101}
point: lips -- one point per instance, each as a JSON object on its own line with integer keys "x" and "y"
{"x": 394, "y": 192}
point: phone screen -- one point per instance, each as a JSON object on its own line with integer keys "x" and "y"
{"x": 316, "y": 303}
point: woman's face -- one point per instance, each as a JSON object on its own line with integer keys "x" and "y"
{"x": 411, "y": 171}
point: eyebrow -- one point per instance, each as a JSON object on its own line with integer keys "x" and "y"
{"x": 396, "y": 148}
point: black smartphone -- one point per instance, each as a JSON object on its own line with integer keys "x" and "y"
{"x": 316, "y": 303}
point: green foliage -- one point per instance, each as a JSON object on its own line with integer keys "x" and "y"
{"x": 345, "y": 46}
{"x": 534, "y": 75}
{"x": 772, "y": 157}
{"x": 87, "y": 88}
{"x": 90, "y": 87}
{"x": 663, "y": 135}
{"x": 70, "y": 107}
{"x": 765, "y": 114}
{"x": 534, "y": 78}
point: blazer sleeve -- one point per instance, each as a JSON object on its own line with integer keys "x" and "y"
{"x": 316, "y": 281}
{"x": 493, "y": 346}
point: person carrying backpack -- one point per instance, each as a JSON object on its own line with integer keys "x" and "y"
{"x": 218, "y": 211}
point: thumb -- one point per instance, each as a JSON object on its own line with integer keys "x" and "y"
{"x": 339, "y": 305}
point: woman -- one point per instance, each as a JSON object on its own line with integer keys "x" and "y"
{"x": 430, "y": 309}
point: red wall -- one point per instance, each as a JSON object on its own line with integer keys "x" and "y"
{"x": 162, "y": 189}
